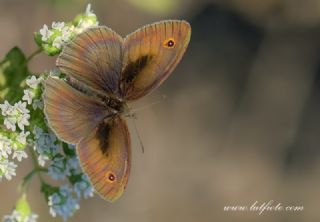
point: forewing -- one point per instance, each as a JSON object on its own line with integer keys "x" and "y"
{"x": 94, "y": 57}
{"x": 105, "y": 156}
{"x": 70, "y": 113}
{"x": 150, "y": 55}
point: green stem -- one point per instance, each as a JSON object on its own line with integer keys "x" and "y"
{"x": 36, "y": 171}
{"x": 25, "y": 182}
{"x": 37, "y": 168}
{"x": 38, "y": 51}
{"x": 23, "y": 186}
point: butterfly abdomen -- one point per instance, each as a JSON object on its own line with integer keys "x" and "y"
{"x": 109, "y": 101}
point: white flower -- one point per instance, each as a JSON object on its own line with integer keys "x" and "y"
{"x": 17, "y": 114}
{"x": 22, "y": 137}
{"x": 67, "y": 33}
{"x": 17, "y": 217}
{"x": 21, "y": 107}
{"x": 19, "y": 154}
{"x": 28, "y": 95}
{"x": 7, "y": 169}
{"x": 6, "y": 108}
{"x": 58, "y": 42}
{"x": 10, "y": 123}
{"x": 23, "y": 115}
{"x": 63, "y": 203}
{"x": 23, "y": 121}
{"x": 33, "y": 82}
{"x": 5, "y": 147}
{"x": 45, "y": 33}
{"x": 42, "y": 159}
{"x": 14, "y": 217}
{"x": 89, "y": 12}
{"x": 31, "y": 218}
{"x": 57, "y": 25}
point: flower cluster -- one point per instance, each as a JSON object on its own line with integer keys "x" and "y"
{"x": 51, "y": 40}
{"x": 7, "y": 169}
{"x": 12, "y": 144}
{"x": 33, "y": 94}
{"x": 62, "y": 165}
{"x": 16, "y": 216}
{"x": 64, "y": 201}
{"x": 16, "y": 118}
{"x": 16, "y": 114}
{"x": 12, "y": 147}
{"x": 24, "y": 125}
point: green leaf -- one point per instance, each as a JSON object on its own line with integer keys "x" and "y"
{"x": 37, "y": 38}
{"x": 77, "y": 19}
{"x": 37, "y": 118}
{"x": 48, "y": 190}
{"x": 13, "y": 71}
{"x": 67, "y": 150}
{"x": 75, "y": 178}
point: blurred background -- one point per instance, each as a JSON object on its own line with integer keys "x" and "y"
{"x": 240, "y": 123}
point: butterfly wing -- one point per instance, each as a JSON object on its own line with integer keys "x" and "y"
{"x": 150, "y": 55}
{"x": 94, "y": 58}
{"x": 105, "y": 156}
{"x": 70, "y": 113}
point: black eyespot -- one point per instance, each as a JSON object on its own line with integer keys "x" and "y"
{"x": 111, "y": 177}
{"x": 170, "y": 43}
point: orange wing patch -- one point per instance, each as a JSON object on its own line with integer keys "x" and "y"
{"x": 152, "y": 52}
{"x": 105, "y": 156}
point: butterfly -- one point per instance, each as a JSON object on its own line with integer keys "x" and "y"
{"x": 103, "y": 73}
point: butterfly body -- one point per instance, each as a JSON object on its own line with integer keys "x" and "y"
{"x": 104, "y": 72}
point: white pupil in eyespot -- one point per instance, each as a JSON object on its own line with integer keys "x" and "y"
{"x": 170, "y": 43}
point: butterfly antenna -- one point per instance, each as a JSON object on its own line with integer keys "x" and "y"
{"x": 132, "y": 115}
{"x": 149, "y": 105}
{"x": 137, "y": 132}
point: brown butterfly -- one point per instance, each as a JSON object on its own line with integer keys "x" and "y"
{"x": 104, "y": 72}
